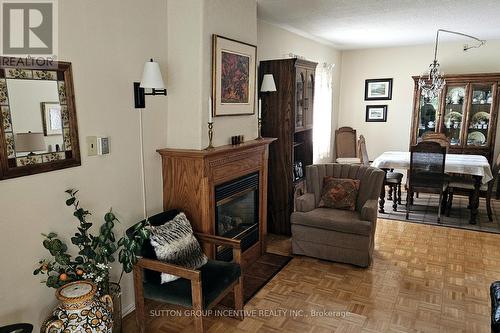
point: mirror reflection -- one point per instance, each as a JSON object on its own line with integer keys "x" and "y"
{"x": 39, "y": 124}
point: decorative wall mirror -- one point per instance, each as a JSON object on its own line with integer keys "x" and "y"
{"x": 38, "y": 127}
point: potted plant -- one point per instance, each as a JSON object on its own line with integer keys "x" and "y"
{"x": 95, "y": 254}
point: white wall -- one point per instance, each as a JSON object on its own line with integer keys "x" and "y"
{"x": 107, "y": 42}
{"x": 277, "y": 43}
{"x": 401, "y": 64}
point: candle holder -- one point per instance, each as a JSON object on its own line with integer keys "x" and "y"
{"x": 259, "y": 122}
{"x": 210, "y": 135}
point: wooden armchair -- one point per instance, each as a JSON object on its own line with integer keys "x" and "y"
{"x": 200, "y": 289}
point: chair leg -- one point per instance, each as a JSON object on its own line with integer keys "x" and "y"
{"x": 139, "y": 300}
{"x": 488, "y": 207}
{"x": 399, "y": 193}
{"x": 197, "y": 300}
{"x": 439, "y": 207}
{"x": 408, "y": 201}
{"x": 238, "y": 299}
{"x": 389, "y": 195}
{"x": 394, "y": 199}
{"x": 417, "y": 195}
{"x": 450, "y": 202}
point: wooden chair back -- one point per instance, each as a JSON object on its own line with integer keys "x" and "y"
{"x": 345, "y": 142}
{"x": 427, "y": 163}
{"x": 363, "y": 153}
{"x": 440, "y": 138}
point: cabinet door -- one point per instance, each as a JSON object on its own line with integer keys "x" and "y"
{"x": 300, "y": 84}
{"x": 454, "y": 116}
{"x": 480, "y": 114}
{"x": 309, "y": 100}
{"x": 427, "y": 116}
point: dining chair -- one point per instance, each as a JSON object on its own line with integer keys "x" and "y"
{"x": 199, "y": 289}
{"x": 426, "y": 175}
{"x": 466, "y": 185}
{"x": 392, "y": 179}
{"x": 440, "y": 138}
{"x": 346, "y": 148}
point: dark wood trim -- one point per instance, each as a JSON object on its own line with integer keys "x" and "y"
{"x": 6, "y": 171}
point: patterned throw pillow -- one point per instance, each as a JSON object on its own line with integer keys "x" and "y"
{"x": 339, "y": 193}
{"x": 174, "y": 243}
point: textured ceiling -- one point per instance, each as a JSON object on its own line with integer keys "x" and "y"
{"x": 353, "y": 24}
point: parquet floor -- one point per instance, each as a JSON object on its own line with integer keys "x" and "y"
{"x": 423, "y": 279}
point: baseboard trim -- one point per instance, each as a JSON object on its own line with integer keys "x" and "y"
{"x": 128, "y": 310}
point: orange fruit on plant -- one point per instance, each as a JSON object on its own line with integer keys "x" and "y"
{"x": 63, "y": 277}
{"x": 79, "y": 272}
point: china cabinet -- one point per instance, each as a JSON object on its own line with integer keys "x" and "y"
{"x": 287, "y": 114}
{"x": 465, "y": 111}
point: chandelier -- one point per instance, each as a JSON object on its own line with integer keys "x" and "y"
{"x": 432, "y": 81}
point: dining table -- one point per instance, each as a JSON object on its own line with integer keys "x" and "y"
{"x": 476, "y": 166}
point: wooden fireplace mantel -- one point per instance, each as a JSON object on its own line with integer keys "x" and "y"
{"x": 190, "y": 177}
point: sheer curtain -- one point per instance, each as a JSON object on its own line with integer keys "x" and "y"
{"x": 323, "y": 95}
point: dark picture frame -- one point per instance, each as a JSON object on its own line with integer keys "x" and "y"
{"x": 374, "y": 114}
{"x": 234, "y": 77}
{"x": 378, "y": 89}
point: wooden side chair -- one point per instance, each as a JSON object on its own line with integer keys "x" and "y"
{"x": 426, "y": 175}
{"x": 466, "y": 185}
{"x": 346, "y": 148}
{"x": 200, "y": 289}
{"x": 392, "y": 179}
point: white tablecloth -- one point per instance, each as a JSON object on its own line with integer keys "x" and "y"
{"x": 475, "y": 165}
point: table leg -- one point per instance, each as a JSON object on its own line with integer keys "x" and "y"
{"x": 381, "y": 201}
{"x": 475, "y": 199}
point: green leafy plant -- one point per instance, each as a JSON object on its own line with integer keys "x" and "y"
{"x": 95, "y": 252}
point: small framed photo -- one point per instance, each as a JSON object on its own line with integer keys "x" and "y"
{"x": 378, "y": 89}
{"x": 376, "y": 113}
{"x": 52, "y": 118}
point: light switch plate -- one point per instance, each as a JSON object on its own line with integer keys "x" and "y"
{"x": 102, "y": 146}
{"x": 92, "y": 145}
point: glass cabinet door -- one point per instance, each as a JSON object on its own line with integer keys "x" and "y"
{"x": 309, "y": 99}
{"x": 300, "y": 98}
{"x": 427, "y": 116}
{"x": 480, "y": 114}
{"x": 454, "y": 110}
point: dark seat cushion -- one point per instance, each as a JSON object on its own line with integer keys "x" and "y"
{"x": 333, "y": 219}
{"x": 216, "y": 276}
{"x": 393, "y": 177}
{"x": 495, "y": 307}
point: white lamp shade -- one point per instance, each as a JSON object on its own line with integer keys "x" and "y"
{"x": 151, "y": 77}
{"x": 268, "y": 83}
{"x": 29, "y": 142}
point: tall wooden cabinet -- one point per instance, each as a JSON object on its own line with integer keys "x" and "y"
{"x": 466, "y": 111}
{"x": 287, "y": 114}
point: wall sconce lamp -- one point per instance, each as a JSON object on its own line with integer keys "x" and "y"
{"x": 151, "y": 79}
{"x": 268, "y": 84}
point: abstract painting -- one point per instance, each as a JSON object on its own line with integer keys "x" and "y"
{"x": 235, "y": 78}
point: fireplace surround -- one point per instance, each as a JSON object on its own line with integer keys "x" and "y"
{"x": 192, "y": 179}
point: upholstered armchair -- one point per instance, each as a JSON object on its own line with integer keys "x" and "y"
{"x": 332, "y": 234}
{"x": 199, "y": 289}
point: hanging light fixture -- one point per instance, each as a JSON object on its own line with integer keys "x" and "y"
{"x": 432, "y": 82}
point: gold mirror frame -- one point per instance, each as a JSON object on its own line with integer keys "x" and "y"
{"x": 21, "y": 68}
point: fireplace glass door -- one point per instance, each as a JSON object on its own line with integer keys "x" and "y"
{"x": 237, "y": 212}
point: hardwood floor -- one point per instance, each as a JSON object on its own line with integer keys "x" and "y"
{"x": 423, "y": 279}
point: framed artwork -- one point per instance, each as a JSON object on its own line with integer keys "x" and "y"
{"x": 233, "y": 77}
{"x": 52, "y": 118}
{"x": 378, "y": 89}
{"x": 376, "y": 113}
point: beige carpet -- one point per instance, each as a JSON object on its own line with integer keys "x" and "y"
{"x": 425, "y": 210}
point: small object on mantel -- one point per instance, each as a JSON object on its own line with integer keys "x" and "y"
{"x": 237, "y": 139}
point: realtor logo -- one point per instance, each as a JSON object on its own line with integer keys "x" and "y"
{"x": 29, "y": 28}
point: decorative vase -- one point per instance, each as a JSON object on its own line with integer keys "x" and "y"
{"x": 80, "y": 310}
